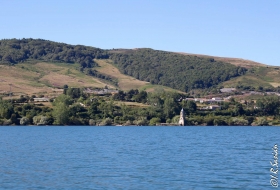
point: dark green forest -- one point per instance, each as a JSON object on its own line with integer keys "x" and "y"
{"x": 14, "y": 51}
{"x": 182, "y": 72}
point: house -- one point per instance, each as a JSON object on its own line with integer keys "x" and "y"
{"x": 41, "y": 99}
{"x": 227, "y": 90}
{"x": 101, "y": 91}
{"x": 217, "y": 98}
{"x": 214, "y": 107}
{"x": 197, "y": 99}
{"x": 256, "y": 93}
{"x": 207, "y": 101}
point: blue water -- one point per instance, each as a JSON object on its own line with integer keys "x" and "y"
{"x": 136, "y": 157}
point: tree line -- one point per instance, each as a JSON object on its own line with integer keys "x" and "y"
{"x": 74, "y": 107}
{"x": 13, "y": 51}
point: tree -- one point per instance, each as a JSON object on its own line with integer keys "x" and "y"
{"x": 14, "y": 119}
{"x": 106, "y": 122}
{"x": 239, "y": 121}
{"x": 61, "y": 114}
{"x": 239, "y": 109}
{"x": 40, "y": 120}
{"x": 6, "y": 109}
{"x": 65, "y": 87}
{"x": 170, "y": 108}
{"x": 93, "y": 109}
{"x": 262, "y": 122}
{"x": 105, "y": 108}
{"x": 154, "y": 121}
{"x": 64, "y": 99}
{"x": 140, "y": 97}
{"x": 189, "y": 106}
{"x": 141, "y": 122}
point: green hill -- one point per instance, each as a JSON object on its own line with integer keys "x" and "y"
{"x": 182, "y": 72}
{"x": 36, "y": 64}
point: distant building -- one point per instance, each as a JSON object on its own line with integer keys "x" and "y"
{"x": 41, "y": 99}
{"x": 256, "y": 93}
{"x": 207, "y": 101}
{"x": 227, "y": 90}
{"x": 217, "y": 98}
{"x": 101, "y": 91}
{"x": 214, "y": 107}
{"x": 182, "y": 118}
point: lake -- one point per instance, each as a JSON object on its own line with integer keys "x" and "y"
{"x": 84, "y": 157}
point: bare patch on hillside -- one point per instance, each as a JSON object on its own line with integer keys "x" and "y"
{"x": 125, "y": 82}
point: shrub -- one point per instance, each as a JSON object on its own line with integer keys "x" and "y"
{"x": 106, "y": 122}
{"x": 24, "y": 121}
{"x": 154, "y": 121}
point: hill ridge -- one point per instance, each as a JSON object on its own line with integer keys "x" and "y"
{"x": 152, "y": 67}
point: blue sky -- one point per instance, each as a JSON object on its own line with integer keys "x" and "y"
{"x": 228, "y": 28}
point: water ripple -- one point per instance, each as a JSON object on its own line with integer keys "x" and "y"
{"x": 136, "y": 157}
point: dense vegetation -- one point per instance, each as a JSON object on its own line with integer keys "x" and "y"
{"x": 182, "y": 72}
{"x": 77, "y": 108}
{"x": 15, "y": 51}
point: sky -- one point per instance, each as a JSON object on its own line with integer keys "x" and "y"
{"x": 226, "y": 28}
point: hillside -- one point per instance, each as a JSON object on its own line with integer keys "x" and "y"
{"x": 182, "y": 72}
{"x": 235, "y": 61}
{"x": 257, "y": 78}
{"x": 44, "y": 78}
{"x": 126, "y": 82}
{"x": 36, "y": 66}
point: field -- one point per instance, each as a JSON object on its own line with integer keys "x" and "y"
{"x": 48, "y": 79}
{"x": 125, "y": 82}
{"x": 43, "y": 78}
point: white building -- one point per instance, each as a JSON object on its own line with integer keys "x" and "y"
{"x": 182, "y": 118}
{"x": 41, "y": 99}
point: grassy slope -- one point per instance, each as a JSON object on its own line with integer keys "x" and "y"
{"x": 235, "y": 61}
{"x": 259, "y": 76}
{"x": 125, "y": 82}
{"x": 41, "y": 77}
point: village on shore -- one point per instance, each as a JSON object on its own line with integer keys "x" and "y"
{"x": 75, "y": 106}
